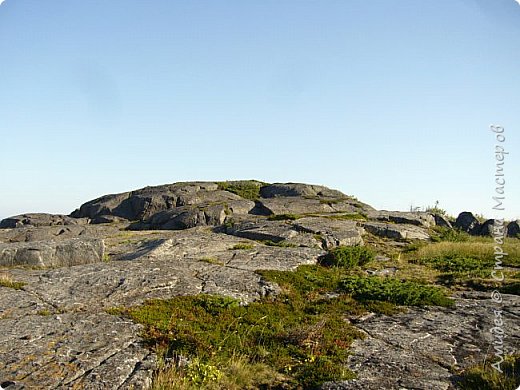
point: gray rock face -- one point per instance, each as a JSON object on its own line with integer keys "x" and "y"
{"x": 294, "y": 205}
{"x": 424, "y": 344}
{"x": 396, "y": 232}
{"x": 298, "y": 190}
{"x": 442, "y": 221}
{"x": 412, "y": 218}
{"x": 331, "y": 232}
{"x": 468, "y": 223}
{"x": 39, "y": 219}
{"x": 55, "y": 332}
{"x": 143, "y": 203}
{"x": 513, "y": 229}
{"x": 486, "y": 229}
{"x": 52, "y": 254}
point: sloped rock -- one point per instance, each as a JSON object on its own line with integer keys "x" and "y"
{"x": 513, "y": 229}
{"x": 275, "y": 231}
{"x": 73, "y": 343}
{"x": 441, "y": 220}
{"x": 294, "y": 205}
{"x": 60, "y": 233}
{"x": 143, "y": 203}
{"x": 73, "y": 350}
{"x": 298, "y": 190}
{"x": 52, "y": 254}
{"x": 411, "y": 218}
{"x": 39, "y": 219}
{"x": 332, "y": 232}
{"x": 468, "y": 223}
{"x": 424, "y": 343}
{"x": 486, "y": 229}
{"x": 397, "y": 231}
{"x": 186, "y": 217}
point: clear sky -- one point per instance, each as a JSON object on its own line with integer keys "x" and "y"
{"x": 389, "y": 101}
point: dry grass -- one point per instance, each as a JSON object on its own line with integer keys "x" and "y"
{"x": 478, "y": 248}
{"x": 235, "y": 374}
{"x": 6, "y": 281}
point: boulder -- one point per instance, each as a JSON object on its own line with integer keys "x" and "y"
{"x": 398, "y": 232}
{"x": 441, "y": 220}
{"x": 52, "y": 254}
{"x": 300, "y": 190}
{"x": 39, "y": 219}
{"x": 400, "y": 217}
{"x": 143, "y": 204}
{"x": 468, "y": 223}
{"x": 513, "y": 229}
{"x": 486, "y": 229}
{"x": 331, "y": 232}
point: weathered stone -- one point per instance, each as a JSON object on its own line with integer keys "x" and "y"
{"x": 513, "y": 229}
{"x": 396, "y": 231}
{"x": 39, "y": 219}
{"x": 106, "y": 219}
{"x": 441, "y": 220}
{"x": 52, "y": 254}
{"x": 331, "y": 232}
{"x": 468, "y": 223}
{"x": 263, "y": 231}
{"x": 298, "y": 190}
{"x": 143, "y": 203}
{"x": 411, "y": 218}
{"x": 294, "y": 205}
{"x": 425, "y": 343}
{"x": 73, "y": 350}
{"x": 486, "y": 229}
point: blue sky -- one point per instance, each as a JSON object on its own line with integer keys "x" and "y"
{"x": 389, "y": 101}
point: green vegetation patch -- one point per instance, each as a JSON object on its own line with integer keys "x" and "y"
{"x": 247, "y": 189}
{"x": 285, "y": 217}
{"x": 242, "y": 246}
{"x": 7, "y": 282}
{"x": 485, "y": 377}
{"x": 408, "y": 293}
{"x": 298, "y": 339}
{"x": 307, "y": 347}
{"x": 459, "y": 266}
{"x": 347, "y": 256}
{"x": 440, "y": 233}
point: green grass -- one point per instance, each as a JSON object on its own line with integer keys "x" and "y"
{"x": 285, "y": 217}
{"x": 440, "y": 233}
{"x": 247, "y": 189}
{"x": 5, "y": 281}
{"x": 242, "y": 246}
{"x": 485, "y": 377}
{"x": 407, "y": 293}
{"x": 211, "y": 260}
{"x": 459, "y": 266}
{"x": 347, "y": 256}
{"x": 347, "y": 217}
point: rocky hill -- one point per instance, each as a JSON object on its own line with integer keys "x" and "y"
{"x": 62, "y": 276}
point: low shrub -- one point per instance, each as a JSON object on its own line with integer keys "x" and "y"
{"x": 347, "y": 256}
{"x": 406, "y": 293}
